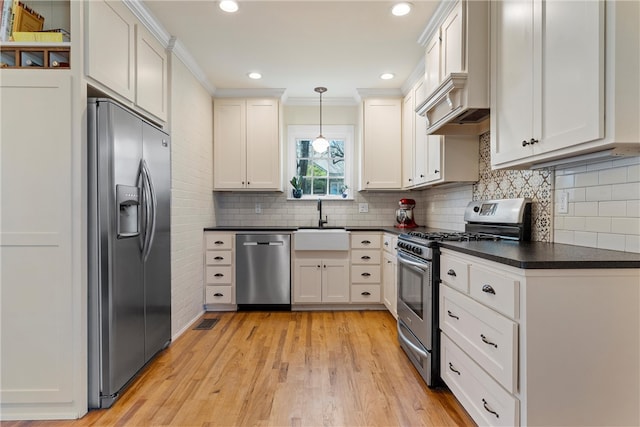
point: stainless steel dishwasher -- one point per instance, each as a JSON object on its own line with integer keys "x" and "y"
{"x": 263, "y": 271}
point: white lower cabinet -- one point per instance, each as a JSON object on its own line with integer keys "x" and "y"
{"x": 540, "y": 346}
{"x": 390, "y": 274}
{"x": 321, "y": 279}
{"x": 366, "y": 275}
{"x": 219, "y": 271}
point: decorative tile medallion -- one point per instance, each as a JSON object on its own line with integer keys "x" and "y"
{"x": 508, "y": 184}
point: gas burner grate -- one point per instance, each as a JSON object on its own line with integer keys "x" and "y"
{"x": 452, "y": 236}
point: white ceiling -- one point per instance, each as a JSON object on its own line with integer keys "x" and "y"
{"x": 298, "y": 45}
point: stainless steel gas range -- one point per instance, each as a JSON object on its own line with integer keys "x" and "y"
{"x": 419, "y": 274}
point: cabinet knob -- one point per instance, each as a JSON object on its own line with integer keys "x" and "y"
{"x": 365, "y": 293}
{"x": 421, "y": 176}
{"x": 367, "y": 182}
{"x": 366, "y": 242}
{"x": 218, "y": 242}
{"x": 218, "y": 294}
{"x": 218, "y": 275}
{"x": 524, "y": 143}
{"x": 366, "y": 274}
{"x": 219, "y": 258}
{"x": 436, "y": 171}
{"x": 488, "y": 289}
{"x": 410, "y": 180}
{"x": 365, "y": 257}
{"x": 451, "y": 272}
{"x": 529, "y": 142}
{"x": 386, "y": 243}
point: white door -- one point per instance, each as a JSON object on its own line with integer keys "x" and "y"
{"x": 229, "y": 144}
{"x": 263, "y": 144}
{"x": 335, "y": 281}
{"x": 307, "y": 281}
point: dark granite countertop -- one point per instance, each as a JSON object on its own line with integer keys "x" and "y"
{"x": 540, "y": 255}
{"x": 383, "y": 228}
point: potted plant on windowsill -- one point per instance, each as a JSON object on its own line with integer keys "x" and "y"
{"x": 296, "y": 182}
{"x": 343, "y": 190}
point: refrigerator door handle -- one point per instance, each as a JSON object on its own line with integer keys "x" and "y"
{"x": 152, "y": 205}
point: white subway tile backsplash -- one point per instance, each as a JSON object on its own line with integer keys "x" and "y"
{"x": 625, "y": 225}
{"x": 613, "y": 208}
{"x": 633, "y": 208}
{"x": 598, "y": 224}
{"x": 564, "y": 236}
{"x": 585, "y": 179}
{"x": 585, "y": 238}
{"x": 632, "y": 244}
{"x": 616, "y": 242}
{"x": 586, "y": 209}
{"x": 628, "y": 191}
{"x": 633, "y": 173}
{"x": 598, "y": 193}
{"x": 565, "y": 181}
{"x": 574, "y": 223}
{"x": 613, "y": 176}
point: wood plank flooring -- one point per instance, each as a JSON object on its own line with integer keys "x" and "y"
{"x": 326, "y": 368}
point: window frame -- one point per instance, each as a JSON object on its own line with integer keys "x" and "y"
{"x": 342, "y": 132}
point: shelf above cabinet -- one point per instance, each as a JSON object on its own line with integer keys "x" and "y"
{"x": 35, "y": 55}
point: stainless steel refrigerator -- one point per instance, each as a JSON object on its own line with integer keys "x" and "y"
{"x": 129, "y": 247}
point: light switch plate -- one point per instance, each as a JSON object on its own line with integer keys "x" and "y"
{"x": 363, "y": 207}
{"x": 563, "y": 203}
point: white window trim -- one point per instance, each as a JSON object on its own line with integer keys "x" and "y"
{"x": 343, "y": 132}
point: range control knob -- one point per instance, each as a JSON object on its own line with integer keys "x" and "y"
{"x": 476, "y": 208}
{"x": 418, "y": 251}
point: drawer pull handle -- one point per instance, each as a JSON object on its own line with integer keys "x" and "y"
{"x": 484, "y": 340}
{"x": 365, "y": 293}
{"x": 219, "y": 242}
{"x": 488, "y": 289}
{"x": 218, "y": 294}
{"x": 219, "y": 258}
{"x": 452, "y": 315}
{"x": 366, "y": 242}
{"x": 451, "y": 367}
{"x": 486, "y": 407}
{"x": 218, "y": 275}
{"x": 386, "y": 243}
{"x": 366, "y": 274}
{"x": 365, "y": 257}
{"x": 451, "y": 272}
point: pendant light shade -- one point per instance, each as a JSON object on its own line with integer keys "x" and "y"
{"x": 320, "y": 144}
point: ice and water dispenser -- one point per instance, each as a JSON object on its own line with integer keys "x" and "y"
{"x": 128, "y": 202}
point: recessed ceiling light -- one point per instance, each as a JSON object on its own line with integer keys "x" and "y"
{"x": 229, "y": 6}
{"x": 254, "y": 75}
{"x": 401, "y": 9}
{"x": 387, "y": 76}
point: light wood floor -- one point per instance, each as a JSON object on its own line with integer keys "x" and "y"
{"x": 281, "y": 369}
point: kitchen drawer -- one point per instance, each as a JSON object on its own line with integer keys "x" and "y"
{"x": 484, "y": 399}
{"x": 495, "y": 289}
{"x": 365, "y": 240}
{"x": 218, "y": 275}
{"x": 365, "y": 274}
{"x": 219, "y": 240}
{"x": 455, "y": 273}
{"x": 365, "y": 293}
{"x": 365, "y": 256}
{"x": 488, "y": 337}
{"x": 218, "y": 257}
{"x": 218, "y": 295}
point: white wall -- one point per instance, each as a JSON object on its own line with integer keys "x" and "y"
{"x": 191, "y": 192}
{"x": 604, "y": 205}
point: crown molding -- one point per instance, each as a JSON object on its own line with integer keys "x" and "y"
{"x": 249, "y": 93}
{"x": 171, "y": 43}
{"x": 416, "y": 74}
{"x": 439, "y": 15}
{"x": 326, "y": 101}
{"x": 379, "y": 93}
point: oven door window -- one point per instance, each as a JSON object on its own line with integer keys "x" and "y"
{"x": 411, "y": 284}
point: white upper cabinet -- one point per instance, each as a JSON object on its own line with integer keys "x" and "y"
{"x": 408, "y": 140}
{"x": 457, "y": 71}
{"x": 558, "y": 70}
{"x": 246, "y": 144}
{"x": 124, "y": 59}
{"x": 382, "y": 144}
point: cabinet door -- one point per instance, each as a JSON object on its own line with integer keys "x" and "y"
{"x": 452, "y": 44}
{"x": 307, "y": 287}
{"x": 229, "y": 148}
{"x": 420, "y": 170}
{"x": 389, "y": 286}
{"x": 39, "y": 304}
{"x": 263, "y": 144}
{"x": 571, "y": 75}
{"x": 335, "y": 281}
{"x": 434, "y": 157}
{"x": 382, "y": 144}
{"x": 408, "y": 141}
{"x": 151, "y": 74}
{"x": 432, "y": 64}
{"x": 111, "y": 45}
{"x": 512, "y": 90}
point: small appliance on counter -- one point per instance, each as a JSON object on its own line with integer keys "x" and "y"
{"x": 404, "y": 214}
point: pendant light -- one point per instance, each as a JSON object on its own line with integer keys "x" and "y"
{"x": 320, "y": 144}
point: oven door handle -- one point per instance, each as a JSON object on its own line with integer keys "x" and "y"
{"x": 422, "y": 353}
{"x": 407, "y": 261}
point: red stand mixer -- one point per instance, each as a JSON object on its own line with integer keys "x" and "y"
{"x": 404, "y": 214}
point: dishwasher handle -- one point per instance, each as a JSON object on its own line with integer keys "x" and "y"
{"x": 276, "y": 243}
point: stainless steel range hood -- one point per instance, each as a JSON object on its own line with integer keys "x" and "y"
{"x": 456, "y": 107}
